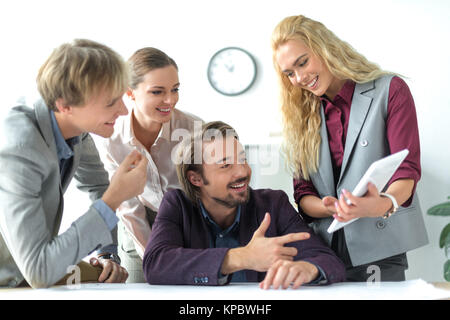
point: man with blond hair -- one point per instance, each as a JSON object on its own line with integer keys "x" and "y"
{"x": 42, "y": 148}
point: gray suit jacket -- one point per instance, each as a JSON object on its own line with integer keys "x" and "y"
{"x": 31, "y": 200}
{"x": 368, "y": 239}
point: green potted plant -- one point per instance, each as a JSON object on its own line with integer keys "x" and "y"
{"x": 443, "y": 209}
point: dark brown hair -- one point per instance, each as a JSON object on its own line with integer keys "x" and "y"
{"x": 190, "y": 154}
{"x": 145, "y": 60}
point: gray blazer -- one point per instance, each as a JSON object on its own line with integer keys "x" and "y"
{"x": 368, "y": 239}
{"x": 31, "y": 200}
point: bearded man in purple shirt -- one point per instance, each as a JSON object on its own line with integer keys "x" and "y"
{"x": 218, "y": 230}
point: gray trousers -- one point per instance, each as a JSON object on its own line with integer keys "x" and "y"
{"x": 388, "y": 269}
{"x": 126, "y": 250}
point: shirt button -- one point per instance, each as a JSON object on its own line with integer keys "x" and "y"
{"x": 220, "y": 235}
{"x": 364, "y": 143}
{"x": 381, "y": 224}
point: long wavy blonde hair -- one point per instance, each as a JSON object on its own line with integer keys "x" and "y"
{"x": 301, "y": 108}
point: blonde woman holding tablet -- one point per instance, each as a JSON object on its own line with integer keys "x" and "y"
{"x": 341, "y": 113}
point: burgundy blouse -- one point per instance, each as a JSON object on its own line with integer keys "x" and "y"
{"x": 401, "y": 126}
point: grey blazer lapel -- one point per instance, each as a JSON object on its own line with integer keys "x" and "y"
{"x": 45, "y": 125}
{"x": 325, "y": 170}
{"x": 358, "y": 113}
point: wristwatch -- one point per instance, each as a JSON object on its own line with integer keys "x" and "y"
{"x": 110, "y": 256}
{"x": 394, "y": 205}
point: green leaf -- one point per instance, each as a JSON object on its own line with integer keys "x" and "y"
{"x": 444, "y": 239}
{"x": 447, "y": 270}
{"x": 442, "y": 209}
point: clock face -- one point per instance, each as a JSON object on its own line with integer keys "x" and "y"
{"x": 231, "y": 71}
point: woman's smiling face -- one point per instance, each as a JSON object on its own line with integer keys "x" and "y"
{"x": 157, "y": 95}
{"x": 305, "y": 70}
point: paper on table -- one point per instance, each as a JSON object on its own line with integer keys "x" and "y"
{"x": 405, "y": 290}
{"x": 379, "y": 174}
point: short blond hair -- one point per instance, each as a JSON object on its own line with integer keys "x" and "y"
{"x": 75, "y": 71}
{"x": 190, "y": 155}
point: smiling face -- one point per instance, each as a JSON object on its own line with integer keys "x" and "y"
{"x": 305, "y": 70}
{"x": 156, "y": 96}
{"x": 226, "y": 174}
{"x": 97, "y": 115}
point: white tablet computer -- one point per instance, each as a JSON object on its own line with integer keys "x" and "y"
{"x": 379, "y": 174}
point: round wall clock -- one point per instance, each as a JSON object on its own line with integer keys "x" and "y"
{"x": 231, "y": 71}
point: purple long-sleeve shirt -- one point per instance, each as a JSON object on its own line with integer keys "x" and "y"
{"x": 179, "y": 252}
{"x": 401, "y": 128}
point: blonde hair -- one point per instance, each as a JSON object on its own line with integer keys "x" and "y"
{"x": 301, "y": 108}
{"x": 190, "y": 154}
{"x": 75, "y": 71}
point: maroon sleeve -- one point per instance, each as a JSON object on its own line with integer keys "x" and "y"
{"x": 403, "y": 132}
{"x": 302, "y": 188}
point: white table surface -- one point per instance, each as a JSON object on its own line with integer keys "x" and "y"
{"x": 412, "y": 289}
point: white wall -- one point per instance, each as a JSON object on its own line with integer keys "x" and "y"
{"x": 410, "y": 37}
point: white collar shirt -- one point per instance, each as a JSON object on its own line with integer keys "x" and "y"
{"x": 161, "y": 172}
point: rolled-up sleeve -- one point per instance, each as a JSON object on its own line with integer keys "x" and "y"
{"x": 403, "y": 132}
{"x": 303, "y": 188}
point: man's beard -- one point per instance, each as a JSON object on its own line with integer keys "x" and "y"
{"x": 230, "y": 201}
